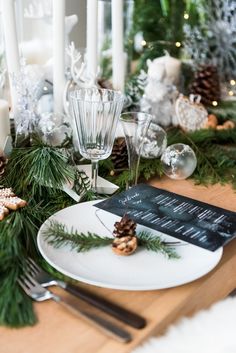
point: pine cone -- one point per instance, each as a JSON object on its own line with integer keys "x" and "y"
{"x": 119, "y": 155}
{"x": 126, "y": 227}
{"x": 124, "y": 245}
{"x": 3, "y": 162}
{"x": 206, "y": 83}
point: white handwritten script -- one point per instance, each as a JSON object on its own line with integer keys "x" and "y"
{"x": 131, "y": 198}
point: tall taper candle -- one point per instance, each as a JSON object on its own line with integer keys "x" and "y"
{"x": 92, "y": 37}
{"x": 118, "y": 60}
{"x": 4, "y": 123}
{"x": 58, "y": 54}
{"x": 11, "y": 45}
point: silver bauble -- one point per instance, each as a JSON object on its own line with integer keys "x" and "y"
{"x": 179, "y": 161}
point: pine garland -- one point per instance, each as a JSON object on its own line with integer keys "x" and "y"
{"x": 215, "y": 151}
{"x": 36, "y": 173}
{"x": 58, "y": 235}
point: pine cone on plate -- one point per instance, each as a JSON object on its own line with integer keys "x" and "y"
{"x": 126, "y": 226}
{"x": 3, "y": 162}
{"x": 124, "y": 245}
{"x": 119, "y": 155}
{"x": 206, "y": 83}
{"x": 125, "y": 242}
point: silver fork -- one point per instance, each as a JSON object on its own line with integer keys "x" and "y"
{"x": 124, "y": 315}
{"x": 39, "y": 293}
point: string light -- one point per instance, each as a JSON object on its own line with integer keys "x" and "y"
{"x": 177, "y": 44}
{"x": 232, "y": 82}
{"x": 186, "y": 16}
{"x": 214, "y": 103}
{"x": 231, "y": 93}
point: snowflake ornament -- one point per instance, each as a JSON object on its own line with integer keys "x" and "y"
{"x": 28, "y": 84}
{"x": 214, "y": 41}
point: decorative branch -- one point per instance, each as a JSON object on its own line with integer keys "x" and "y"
{"x": 58, "y": 235}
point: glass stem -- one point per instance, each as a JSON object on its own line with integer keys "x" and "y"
{"x": 94, "y": 175}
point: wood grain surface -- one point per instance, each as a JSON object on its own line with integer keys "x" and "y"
{"x": 57, "y": 331}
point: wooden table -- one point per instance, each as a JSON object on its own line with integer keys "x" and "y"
{"x": 60, "y": 332}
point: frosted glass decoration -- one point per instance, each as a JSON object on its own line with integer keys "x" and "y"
{"x": 54, "y": 128}
{"x": 154, "y": 143}
{"x": 179, "y": 161}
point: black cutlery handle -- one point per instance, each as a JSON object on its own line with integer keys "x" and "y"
{"x": 108, "y": 307}
{"x": 105, "y": 326}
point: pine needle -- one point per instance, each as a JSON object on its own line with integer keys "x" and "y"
{"x": 58, "y": 235}
{"x": 155, "y": 243}
{"x": 38, "y": 166}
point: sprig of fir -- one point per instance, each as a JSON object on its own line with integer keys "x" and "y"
{"x": 155, "y": 243}
{"x": 58, "y": 235}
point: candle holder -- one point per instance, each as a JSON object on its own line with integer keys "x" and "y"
{"x": 135, "y": 126}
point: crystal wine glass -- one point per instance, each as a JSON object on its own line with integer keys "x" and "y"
{"x": 95, "y": 112}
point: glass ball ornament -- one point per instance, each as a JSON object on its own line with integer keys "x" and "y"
{"x": 154, "y": 143}
{"x": 54, "y": 128}
{"x": 179, "y": 161}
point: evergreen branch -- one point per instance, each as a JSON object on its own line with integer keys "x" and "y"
{"x": 58, "y": 235}
{"x": 16, "y": 309}
{"x": 81, "y": 183}
{"x": 202, "y": 157}
{"x": 38, "y": 166}
{"x": 154, "y": 243}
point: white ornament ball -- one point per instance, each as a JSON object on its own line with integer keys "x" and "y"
{"x": 154, "y": 143}
{"x": 179, "y": 161}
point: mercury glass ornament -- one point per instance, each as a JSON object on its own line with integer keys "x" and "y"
{"x": 191, "y": 114}
{"x": 54, "y": 128}
{"x": 154, "y": 143}
{"x": 179, "y": 161}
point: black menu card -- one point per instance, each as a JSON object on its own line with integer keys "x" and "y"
{"x": 190, "y": 220}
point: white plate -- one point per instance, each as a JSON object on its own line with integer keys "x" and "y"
{"x": 144, "y": 270}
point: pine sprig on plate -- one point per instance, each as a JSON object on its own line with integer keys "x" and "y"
{"x": 154, "y": 243}
{"x": 58, "y": 235}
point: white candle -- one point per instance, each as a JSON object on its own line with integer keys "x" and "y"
{"x": 92, "y": 37}
{"x": 118, "y": 64}
{"x": 58, "y": 54}
{"x": 4, "y": 123}
{"x": 11, "y": 45}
